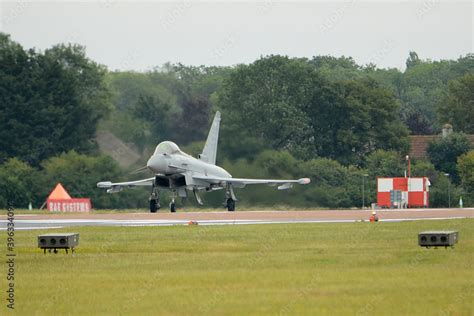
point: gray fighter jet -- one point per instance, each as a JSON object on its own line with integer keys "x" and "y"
{"x": 179, "y": 172}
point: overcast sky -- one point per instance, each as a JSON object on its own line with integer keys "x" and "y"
{"x": 140, "y": 36}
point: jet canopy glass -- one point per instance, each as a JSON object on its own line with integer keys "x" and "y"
{"x": 167, "y": 148}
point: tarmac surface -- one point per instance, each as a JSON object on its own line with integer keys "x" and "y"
{"x": 164, "y": 218}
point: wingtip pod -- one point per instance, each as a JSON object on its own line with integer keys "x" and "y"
{"x": 304, "y": 181}
{"x": 114, "y": 189}
{"x": 111, "y": 188}
{"x": 104, "y": 184}
{"x": 285, "y": 186}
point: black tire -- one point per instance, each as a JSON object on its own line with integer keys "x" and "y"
{"x": 230, "y": 205}
{"x": 173, "y": 207}
{"x": 153, "y": 206}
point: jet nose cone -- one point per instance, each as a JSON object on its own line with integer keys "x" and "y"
{"x": 149, "y": 163}
{"x": 156, "y": 164}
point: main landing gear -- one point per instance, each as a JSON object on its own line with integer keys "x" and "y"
{"x": 230, "y": 198}
{"x": 154, "y": 206}
{"x": 230, "y": 205}
{"x": 155, "y": 201}
{"x": 173, "y": 201}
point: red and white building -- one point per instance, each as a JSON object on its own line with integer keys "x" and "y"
{"x": 414, "y": 192}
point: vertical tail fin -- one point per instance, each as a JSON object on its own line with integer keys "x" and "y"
{"x": 209, "y": 152}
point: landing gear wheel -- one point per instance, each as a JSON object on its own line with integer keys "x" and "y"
{"x": 173, "y": 207}
{"x": 154, "y": 206}
{"x": 230, "y": 205}
{"x": 154, "y": 200}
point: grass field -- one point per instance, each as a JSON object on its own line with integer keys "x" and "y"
{"x": 345, "y": 269}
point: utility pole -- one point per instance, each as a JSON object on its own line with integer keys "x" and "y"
{"x": 408, "y": 166}
{"x": 363, "y": 190}
{"x": 449, "y": 190}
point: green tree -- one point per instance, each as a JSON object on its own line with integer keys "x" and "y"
{"x": 438, "y": 191}
{"x": 465, "y": 168}
{"x": 278, "y": 164}
{"x": 192, "y": 81}
{"x": 80, "y": 173}
{"x": 337, "y": 69}
{"x": 445, "y": 152}
{"x": 18, "y": 184}
{"x": 264, "y": 103}
{"x": 359, "y": 118}
{"x": 170, "y": 102}
{"x": 128, "y": 86}
{"x": 129, "y": 128}
{"x": 442, "y": 191}
{"x": 412, "y": 60}
{"x": 156, "y": 113}
{"x": 333, "y": 185}
{"x": 144, "y": 104}
{"x": 391, "y": 78}
{"x": 286, "y": 104}
{"x": 49, "y": 102}
{"x": 457, "y": 105}
{"x": 423, "y": 168}
{"x": 383, "y": 163}
{"x": 193, "y": 123}
{"x": 417, "y": 122}
{"x": 425, "y": 82}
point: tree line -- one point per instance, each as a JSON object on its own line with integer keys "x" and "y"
{"x": 324, "y": 117}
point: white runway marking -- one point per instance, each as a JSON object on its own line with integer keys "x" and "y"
{"x": 34, "y": 227}
{"x": 30, "y": 224}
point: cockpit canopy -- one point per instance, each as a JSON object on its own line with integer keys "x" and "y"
{"x": 167, "y": 148}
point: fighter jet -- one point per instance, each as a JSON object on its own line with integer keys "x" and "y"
{"x": 179, "y": 173}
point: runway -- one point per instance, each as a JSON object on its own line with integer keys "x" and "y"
{"x": 61, "y": 220}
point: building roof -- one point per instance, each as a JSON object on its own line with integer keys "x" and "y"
{"x": 419, "y": 144}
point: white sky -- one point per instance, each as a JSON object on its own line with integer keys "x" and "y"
{"x": 141, "y": 35}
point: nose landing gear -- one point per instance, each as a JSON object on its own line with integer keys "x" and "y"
{"x": 154, "y": 206}
{"x": 155, "y": 201}
{"x": 173, "y": 202}
{"x": 230, "y": 205}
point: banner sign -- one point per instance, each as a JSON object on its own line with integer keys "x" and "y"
{"x": 69, "y": 205}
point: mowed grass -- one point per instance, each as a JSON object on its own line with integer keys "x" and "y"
{"x": 283, "y": 269}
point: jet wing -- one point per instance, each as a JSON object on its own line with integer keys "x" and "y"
{"x": 117, "y": 187}
{"x": 240, "y": 182}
